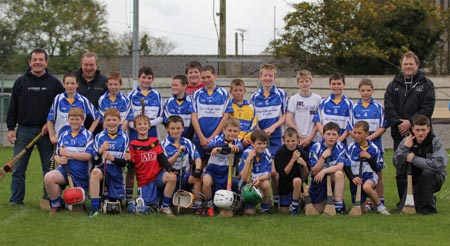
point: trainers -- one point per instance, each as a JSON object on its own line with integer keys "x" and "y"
{"x": 167, "y": 211}
{"x": 384, "y": 211}
{"x": 54, "y": 210}
{"x": 340, "y": 212}
{"x": 93, "y": 213}
{"x": 265, "y": 211}
{"x": 210, "y": 212}
{"x": 294, "y": 212}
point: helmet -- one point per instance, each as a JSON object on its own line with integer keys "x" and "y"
{"x": 110, "y": 207}
{"x": 251, "y": 194}
{"x": 227, "y": 199}
{"x": 141, "y": 208}
{"x": 74, "y": 195}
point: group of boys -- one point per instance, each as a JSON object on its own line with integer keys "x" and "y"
{"x": 207, "y": 130}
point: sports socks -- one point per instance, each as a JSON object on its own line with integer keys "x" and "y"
{"x": 197, "y": 204}
{"x": 380, "y": 207}
{"x": 95, "y": 204}
{"x": 56, "y": 203}
{"x": 382, "y": 200}
{"x": 264, "y": 206}
{"x": 339, "y": 206}
{"x": 295, "y": 204}
{"x": 166, "y": 202}
{"x": 210, "y": 204}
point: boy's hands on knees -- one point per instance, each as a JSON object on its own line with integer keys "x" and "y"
{"x": 319, "y": 177}
{"x": 357, "y": 181}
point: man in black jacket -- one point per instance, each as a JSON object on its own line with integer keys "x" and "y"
{"x": 92, "y": 83}
{"x": 408, "y": 95}
{"x": 31, "y": 98}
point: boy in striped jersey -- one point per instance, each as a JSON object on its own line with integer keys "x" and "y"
{"x": 74, "y": 148}
{"x": 210, "y": 111}
{"x": 335, "y": 108}
{"x": 114, "y": 98}
{"x": 270, "y": 103}
{"x": 109, "y": 149}
{"x": 366, "y": 151}
{"x": 180, "y": 104}
{"x": 222, "y": 147}
{"x": 372, "y": 112}
{"x": 57, "y": 118}
{"x": 152, "y": 101}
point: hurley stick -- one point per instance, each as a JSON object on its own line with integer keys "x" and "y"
{"x": 356, "y": 210}
{"x": 309, "y": 207}
{"x": 409, "y": 206}
{"x": 228, "y": 212}
{"x": 330, "y": 209}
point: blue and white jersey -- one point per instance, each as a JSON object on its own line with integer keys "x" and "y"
{"x": 270, "y": 109}
{"x": 262, "y": 164}
{"x": 120, "y": 102}
{"x": 78, "y": 143}
{"x": 372, "y": 114}
{"x": 190, "y": 154}
{"x": 183, "y": 108}
{"x": 118, "y": 143}
{"x": 219, "y": 163}
{"x": 210, "y": 108}
{"x": 153, "y": 109}
{"x": 59, "y": 111}
{"x": 353, "y": 152}
{"x": 339, "y": 113}
{"x": 338, "y": 154}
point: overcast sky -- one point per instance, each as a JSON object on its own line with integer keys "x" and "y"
{"x": 190, "y": 25}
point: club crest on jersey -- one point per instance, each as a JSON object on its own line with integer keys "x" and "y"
{"x": 419, "y": 88}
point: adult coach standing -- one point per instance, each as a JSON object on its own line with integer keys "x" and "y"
{"x": 92, "y": 83}
{"x": 31, "y": 98}
{"x": 408, "y": 95}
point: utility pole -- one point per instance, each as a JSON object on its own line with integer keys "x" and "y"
{"x": 135, "y": 42}
{"x": 223, "y": 37}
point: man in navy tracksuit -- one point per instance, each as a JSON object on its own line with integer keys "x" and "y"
{"x": 31, "y": 98}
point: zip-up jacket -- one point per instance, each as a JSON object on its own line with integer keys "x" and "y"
{"x": 400, "y": 103}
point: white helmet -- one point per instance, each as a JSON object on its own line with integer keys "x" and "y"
{"x": 227, "y": 199}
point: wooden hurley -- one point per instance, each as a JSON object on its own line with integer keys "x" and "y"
{"x": 228, "y": 212}
{"x": 409, "y": 206}
{"x": 309, "y": 207}
{"x": 356, "y": 210}
{"x": 330, "y": 209}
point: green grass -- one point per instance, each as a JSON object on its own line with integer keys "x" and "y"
{"x": 28, "y": 225}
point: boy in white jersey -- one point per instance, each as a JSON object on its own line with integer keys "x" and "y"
{"x": 301, "y": 110}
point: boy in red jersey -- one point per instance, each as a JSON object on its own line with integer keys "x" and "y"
{"x": 153, "y": 171}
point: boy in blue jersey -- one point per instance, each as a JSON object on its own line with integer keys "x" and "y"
{"x": 327, "y": 157}
{"x": 270, "y": 103}
{"x": 74, "y": 148}
{"x": 366, "y": 151}
{"x": 152, "y": 101}
{"x": 180, "y": 104}
{"x": 109, "y": 148}
{"x": 243, "y": 111}
{"x": 222, "y": 147}
{"x": 210, "y": 110}
{"x": 372, "y": 112}
{"x": 291, "y": 163}
{"x": 57, "y": 118}
{"x": 181, "y": 152}
{"x": 335, "y": 108}
{"x": 114, "y": 98}
{"x": 260, "y": 172}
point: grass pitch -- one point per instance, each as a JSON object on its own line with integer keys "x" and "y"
{"x": 28, "y": 225}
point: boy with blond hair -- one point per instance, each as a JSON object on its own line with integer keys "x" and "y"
{"x": 242, "y": 110}
{"x": 301, "y": 110}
